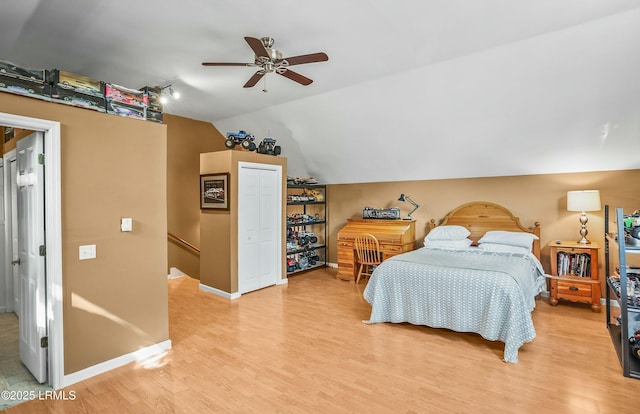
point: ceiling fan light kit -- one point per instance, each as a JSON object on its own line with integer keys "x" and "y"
{"x": 270, "y": 60}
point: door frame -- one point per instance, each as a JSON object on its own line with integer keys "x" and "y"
{"x": 9, "y": 159}
{"x": 4, "y": 278}
{"x": 53, "y": 238}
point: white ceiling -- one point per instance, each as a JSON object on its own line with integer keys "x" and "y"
{"x": 432, "y": 82}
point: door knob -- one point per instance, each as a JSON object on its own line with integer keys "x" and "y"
{"x": 16, "y": 262}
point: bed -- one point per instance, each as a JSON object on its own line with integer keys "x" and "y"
{"x": 485, "y": 283}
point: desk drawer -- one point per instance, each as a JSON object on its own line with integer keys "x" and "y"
{"x": 391, "y": 248}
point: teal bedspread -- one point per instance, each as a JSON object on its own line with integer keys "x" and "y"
{"x": 465, "y": 290}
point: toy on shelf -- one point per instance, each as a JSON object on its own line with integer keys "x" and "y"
{"x": 301, "y": 180}
{"x": 242, "y": 138}
{"x": 268, "y": 146}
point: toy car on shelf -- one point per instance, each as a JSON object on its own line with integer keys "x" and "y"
{"x": 242, "y": 138}
{"x": 632, "y": 227}
{"x": 297, "y": 218}
{"x": 268, "y": 146}
{"x": 292, "y": 265}
{"x": 306, "y": 237}
{"x": 312, "y": 257}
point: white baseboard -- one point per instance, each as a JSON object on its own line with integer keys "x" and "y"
{"x": 235, "y": 295}
{"x": 219, "y": 292}
{"x": 175, "y": 273}
{"x": 334, "y": 265}
{"x": 139, "y": 355}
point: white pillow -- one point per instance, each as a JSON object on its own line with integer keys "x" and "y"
{"x": 506, "y": 248}
{"x": 512, "y": 238}
{"x": 447, "y": 244}
{"x": 448, "y": 233}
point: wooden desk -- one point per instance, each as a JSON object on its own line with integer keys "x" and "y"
{"x": 394, "y": 237}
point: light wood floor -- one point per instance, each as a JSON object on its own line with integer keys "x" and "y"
{"x": 302, "y": 348}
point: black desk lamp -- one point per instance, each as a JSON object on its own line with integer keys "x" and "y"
{"x": 408, "y": 199}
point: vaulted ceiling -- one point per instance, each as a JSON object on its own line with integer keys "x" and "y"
{"x": 413, "y": 89}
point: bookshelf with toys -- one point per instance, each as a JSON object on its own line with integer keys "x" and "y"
{"x": 306, "y": 225}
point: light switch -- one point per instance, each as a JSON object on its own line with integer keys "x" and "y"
{"x": 87, "y": 252}
{"x": 126, "y": 224}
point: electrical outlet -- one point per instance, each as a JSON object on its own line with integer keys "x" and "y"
{"x": 87, "y": 252}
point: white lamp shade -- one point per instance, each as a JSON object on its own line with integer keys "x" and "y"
{"x": 583, "y": 200}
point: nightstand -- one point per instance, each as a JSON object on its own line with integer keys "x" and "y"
{"x": 574, "y": 273}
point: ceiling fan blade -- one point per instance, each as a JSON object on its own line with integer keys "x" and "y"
{"x": 225, "y": 64}
{"x": 257, "y": 46}
{"x": 311, "y": 58}
{"x": 254, "y": 79}
{"x": 294, "y": 76}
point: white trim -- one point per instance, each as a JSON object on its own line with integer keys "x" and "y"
{"x": 8, "y": 158}
{"x": 137, "y": 356}
{"x": 175, "y": 273}
{"x": 334, "y": 265}
{"x": 6, "y": 278}
{"x": 282, "y": 281}
{"x": 53, "y": 236}
{"x": 219, "y": 292}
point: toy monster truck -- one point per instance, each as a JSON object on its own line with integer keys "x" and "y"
{"x": 292, "y": 265}
{"x": 242, "y": 138}
{"x": 268, "y": 146}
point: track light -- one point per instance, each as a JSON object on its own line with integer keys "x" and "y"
{"x": 167, "y": 93}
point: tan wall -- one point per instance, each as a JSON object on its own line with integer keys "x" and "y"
{"x": 112, "y": 167}
{"x": 531, "y": 198}
{"x": 186, "y": 140}
{"x": 219, "y": 229}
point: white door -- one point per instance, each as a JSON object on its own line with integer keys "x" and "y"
{"x": 33, "y": 316}
{"x": 259, "y": 226}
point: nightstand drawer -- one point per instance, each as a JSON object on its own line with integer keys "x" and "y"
{"x": 570, "y": 288}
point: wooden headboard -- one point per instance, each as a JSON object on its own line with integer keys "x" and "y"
{"x": 481, "y": 216}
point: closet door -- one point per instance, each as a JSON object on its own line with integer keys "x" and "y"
{"x": 259, "y": 226}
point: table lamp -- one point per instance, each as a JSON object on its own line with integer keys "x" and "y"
{"x": 583, "y": 201}
{"x": 408, "y": 199}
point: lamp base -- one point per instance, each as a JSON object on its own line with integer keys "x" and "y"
{"x": 583, "y": 230}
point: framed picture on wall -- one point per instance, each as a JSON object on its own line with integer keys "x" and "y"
{"x": 214, "y": 191}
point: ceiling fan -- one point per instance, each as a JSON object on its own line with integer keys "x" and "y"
{"x": 270, "y": 60}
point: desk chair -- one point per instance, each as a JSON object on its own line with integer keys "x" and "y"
{"x": 368, "y": 254}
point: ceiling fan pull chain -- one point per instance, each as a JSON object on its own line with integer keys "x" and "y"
{"x": 264, "y": 86}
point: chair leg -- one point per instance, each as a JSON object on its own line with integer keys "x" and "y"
{"x": 359, "y": 273}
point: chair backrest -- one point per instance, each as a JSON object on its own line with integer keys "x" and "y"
{"x": 368, "y": 249}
